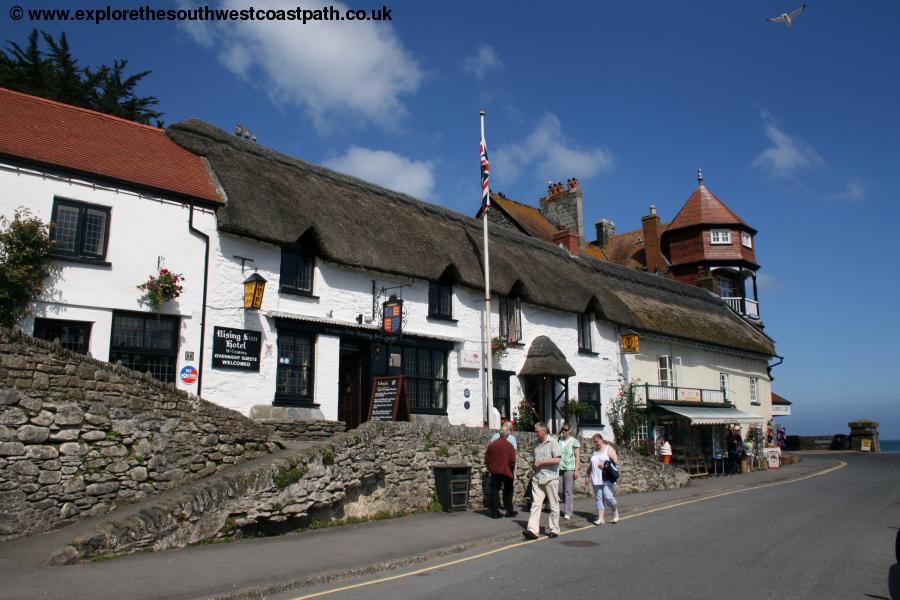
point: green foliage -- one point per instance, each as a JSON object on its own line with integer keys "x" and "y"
{"x": 434, "y": 506}
{"x": 625, "y": 416}
{"x": 288, "y": 477}
{"x": 525, "y": 416}
{"x": 25, "y": 245}
{"x": 163, "y": 287}
{"x": 577, "y": 410}
{"x": 328, "y": 455}
{"x": 106, "y": 557}
{"x": 442, "y": 452}
{"x": 55, "y": 74}
{"x": 379, "y": 516}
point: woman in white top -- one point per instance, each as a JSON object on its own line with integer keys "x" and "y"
{"x": 603, "y": 490}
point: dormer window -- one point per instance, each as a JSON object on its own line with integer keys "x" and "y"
{"x": 720, "y": 236}
{"x": 510, "y": 310}
{"x": 746, "y": 239}
{"x": 440, "y": 300}
{"x": 297, "y": 268}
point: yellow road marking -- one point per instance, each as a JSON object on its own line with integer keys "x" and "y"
{"x": 840, "y": 465}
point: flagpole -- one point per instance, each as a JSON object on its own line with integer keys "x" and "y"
{"x": 487, "y": 304}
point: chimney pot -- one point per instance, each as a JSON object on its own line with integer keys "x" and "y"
{"x": 652, "y": 209}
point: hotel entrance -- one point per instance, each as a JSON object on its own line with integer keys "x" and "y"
{"x": 353, "y": 403}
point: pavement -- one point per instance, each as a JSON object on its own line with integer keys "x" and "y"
{"x": 255, "y": 568}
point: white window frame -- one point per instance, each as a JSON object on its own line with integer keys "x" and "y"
{"x": 754, "y": 390}
{"x": 720, "y": 236}
{"x": 746, "y": 239}
{"x": 664, "y": 370}
{"x": 729, "y": 290}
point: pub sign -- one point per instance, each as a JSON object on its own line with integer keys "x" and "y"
{"x": 236, "y": 349}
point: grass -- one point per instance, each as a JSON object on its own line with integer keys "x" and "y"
{"x": 288, "y": 477}
{"x": 328, "y": 455}
{"x": 379, "y": 516}
{"x": 105, "y": 557}
{"x": 434, "y": 506}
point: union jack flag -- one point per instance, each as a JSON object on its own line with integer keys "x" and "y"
{"x": 485, "y": 178}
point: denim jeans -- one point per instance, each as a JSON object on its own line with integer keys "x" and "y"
{"x": 604, "y": 495}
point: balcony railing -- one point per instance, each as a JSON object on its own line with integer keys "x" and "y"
{"x": 743, "y": 306}
{"x": 664, "y": 393}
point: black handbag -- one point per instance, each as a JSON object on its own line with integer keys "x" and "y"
{"x": 610, "y": 471}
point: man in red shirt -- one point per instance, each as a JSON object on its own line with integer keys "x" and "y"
{"x": 500, "y": 459}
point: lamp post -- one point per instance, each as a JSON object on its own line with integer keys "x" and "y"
{"x": 254, "y": 287}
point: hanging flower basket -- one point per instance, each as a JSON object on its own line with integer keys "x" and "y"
{"x": 499, "y": 346}
{"x": 162, "y": 288}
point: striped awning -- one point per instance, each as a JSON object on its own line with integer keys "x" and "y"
{"x": 712, "y": 415}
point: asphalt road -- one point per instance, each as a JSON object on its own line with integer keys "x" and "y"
{"x": 831, "y": 536}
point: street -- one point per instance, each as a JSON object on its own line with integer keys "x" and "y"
{"x": 828, "y": 536}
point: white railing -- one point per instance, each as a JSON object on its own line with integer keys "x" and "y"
{"x": 749, "y": 308}
{"x": 664, "y": 393}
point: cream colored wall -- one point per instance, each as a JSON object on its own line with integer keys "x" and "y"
{"x": 700, "y": 368}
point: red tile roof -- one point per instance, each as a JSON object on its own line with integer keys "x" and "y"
{"x": 776, "y": 399}
{"x": 75, "y": 138}
{"x": 527, "y": 217}
{"x": 704, "y": 208}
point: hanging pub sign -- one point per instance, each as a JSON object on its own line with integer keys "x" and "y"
{"x": 392, "y": 316}
{"x": 630, "y": 343}
{"x": 236, "y": 349}
{"x": 388, "y": 402}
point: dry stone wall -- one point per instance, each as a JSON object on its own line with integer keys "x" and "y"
{"x": 79, "y": 436}
{"x": 379, "y": 467}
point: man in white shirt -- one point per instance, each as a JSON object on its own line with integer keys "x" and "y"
{"x": 544, "y": 483}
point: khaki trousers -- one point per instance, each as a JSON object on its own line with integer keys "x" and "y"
{"x": 539, "y": 491}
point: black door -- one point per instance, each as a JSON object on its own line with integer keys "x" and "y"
{"x": 351, "y": 408}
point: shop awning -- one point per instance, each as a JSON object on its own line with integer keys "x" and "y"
{"x": 712, "y": 415}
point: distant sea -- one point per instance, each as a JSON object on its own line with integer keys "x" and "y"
{"x": 890, "y": 446}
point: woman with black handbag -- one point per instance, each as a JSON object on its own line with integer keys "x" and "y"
{"x": 603, "y": 472}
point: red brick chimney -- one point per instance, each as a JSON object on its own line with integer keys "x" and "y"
{"x": 569, "y": 240}
{"x": 656, "y": 262}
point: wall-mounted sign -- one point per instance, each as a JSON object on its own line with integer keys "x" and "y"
{"x": 188, "y": 374}
{"x": 631, "y": 344}
{"x": 781, "y": 410}
{"x": 865, "y": 445}
{"x": 236, "y": 349}
{"x": 392, "y": 316}
{"x": 388, "y": 401}
{"x": 469, "y": 359}
{"x": 467, "y": 393}
{"x": 188, "y": 355}
{"x": 688, "y": 395}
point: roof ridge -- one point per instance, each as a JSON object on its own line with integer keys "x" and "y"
{"x": 94, "y": 113}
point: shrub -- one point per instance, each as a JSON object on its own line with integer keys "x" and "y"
{"x": 25, "y": 245}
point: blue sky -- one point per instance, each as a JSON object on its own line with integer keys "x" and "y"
{"x": 797, "y": 130}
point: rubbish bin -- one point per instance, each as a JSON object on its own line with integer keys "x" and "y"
{"x": 452, "y": 485}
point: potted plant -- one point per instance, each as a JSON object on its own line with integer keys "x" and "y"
{"x": 499, "y": 347}
{"x": 162, "y": 288}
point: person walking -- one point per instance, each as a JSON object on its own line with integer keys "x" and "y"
{"x": 511, "y": 437}
{"x": 544, "y": 483}
{"x": 570, "y": 458}
{"x": 603, "y": 490}
{"x": 500, "y": 460}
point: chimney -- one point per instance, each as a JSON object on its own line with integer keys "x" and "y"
{"x": 605, "y": 230}
{"x": 569, "y": 240}
{"x": 652, "y": 251}
{"x": 706, "y": 281}
{"x": 562, "y": 207}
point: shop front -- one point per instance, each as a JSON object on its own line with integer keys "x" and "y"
{"x": 707, "y": 439}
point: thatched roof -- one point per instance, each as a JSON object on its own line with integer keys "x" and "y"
{"x": 545, "y": 358}
{"x": 279, "y": 199}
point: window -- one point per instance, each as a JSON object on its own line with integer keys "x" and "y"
{"x": 73, "y": 335}
{"x": 80, "y": 230}
{"x": 501, "y": 393}
{"x": 440, "y": 300}
{"x": 426, "y": 379}
{"x": 510, "y": 318}
{"x": 584, "y": 332}
{"x": 294, "y": 376}
{"x": 723, "y": 382}
{"x": 145, "y": 343}
{"x": 746, "y": 239}
{"x": 754, "y": 398}
{"x": 666, "y": 375}
{"x": 296, "y": 271}
{"x": 720, "y": 236}
{"x": 726, "y": 288}
{"x": 589, "y": 393}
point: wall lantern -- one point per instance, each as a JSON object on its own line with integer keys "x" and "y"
{"x": 631, "y": 344}
{"x": 254, "y": 287}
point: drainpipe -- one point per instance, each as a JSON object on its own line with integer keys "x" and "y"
{"x": 205, "y": 239}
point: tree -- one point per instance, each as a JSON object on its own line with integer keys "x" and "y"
{"x": 624, "y": 415}
{"x": 55, "y": 74}
{"x": 24, "y": 246}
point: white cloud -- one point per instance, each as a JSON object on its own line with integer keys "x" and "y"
{"x": 485, "y": 60}
{"x": 855, "y": 191}
{"x": 769, "y": 282}
{"x": 328, "y": 68}
{"x": 787, "y": 154}
{"x": 549, "y": 155}
{"x": 387, "y": 169}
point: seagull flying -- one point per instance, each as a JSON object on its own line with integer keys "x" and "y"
{"x": 787, "y": 18}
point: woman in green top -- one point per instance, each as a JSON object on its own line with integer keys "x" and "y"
{"x": 570, "y": 451}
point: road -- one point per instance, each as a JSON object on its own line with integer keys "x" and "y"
{"x": 829, "y": 536}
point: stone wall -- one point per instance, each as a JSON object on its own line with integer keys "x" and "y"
{"x": 379, "y": 467}
{"x": 303, "y": 430}
{"x": 79, "y": 436}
